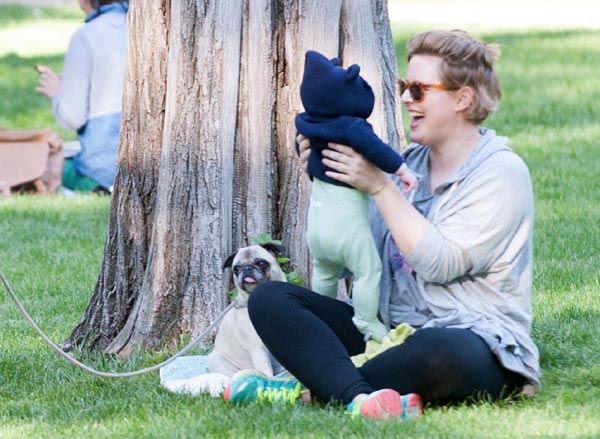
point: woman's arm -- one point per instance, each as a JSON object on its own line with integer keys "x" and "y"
{"x": 484, "y": 227}
{"x": 406, "y": 223}
{"x": 488, "y": 223}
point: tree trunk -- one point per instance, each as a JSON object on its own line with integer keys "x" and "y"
{"x": 132, "y": 207}
{"x": 206, "y": 159}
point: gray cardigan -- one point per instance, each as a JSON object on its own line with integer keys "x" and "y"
{"x": 474, "y": 265}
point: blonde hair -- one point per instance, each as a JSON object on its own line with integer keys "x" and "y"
{"x": 465, "y": 62}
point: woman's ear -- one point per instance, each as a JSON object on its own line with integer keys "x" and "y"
{"x": 465, "y": 97}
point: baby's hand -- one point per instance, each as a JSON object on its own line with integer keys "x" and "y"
{"x": 407, "y": 177}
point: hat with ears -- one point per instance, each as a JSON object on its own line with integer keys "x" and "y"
{"x": 329, "y": 90}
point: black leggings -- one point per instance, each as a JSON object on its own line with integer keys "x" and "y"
{"x": 313, "y": 337}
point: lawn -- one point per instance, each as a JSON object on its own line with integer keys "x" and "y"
{"x": 50, "y": 249}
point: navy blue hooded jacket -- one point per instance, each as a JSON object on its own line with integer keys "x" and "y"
{"x": 337, "y": 102}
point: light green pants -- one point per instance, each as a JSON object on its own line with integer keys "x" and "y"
{"x": 338, "y": 236}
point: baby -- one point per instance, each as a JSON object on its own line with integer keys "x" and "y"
{"x": 337, "y": 102}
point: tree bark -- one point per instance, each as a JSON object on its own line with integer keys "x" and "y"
{"x": 254, "y": 181}
{"x": 206, "y": 157}
{"x": 192, "y": 218}
{"x": 132, "y": 205}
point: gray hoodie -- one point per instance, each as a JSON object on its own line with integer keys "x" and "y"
{"x": 474, "y": 264}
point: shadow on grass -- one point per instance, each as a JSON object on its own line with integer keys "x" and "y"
{"x": 33, "y": 218}
{"x": 568, "y": 338}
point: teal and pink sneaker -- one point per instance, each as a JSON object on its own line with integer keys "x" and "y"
{"x": 252, "y": 385}
{"x": 386, "y": 404}
{"x": 412, "y": 406}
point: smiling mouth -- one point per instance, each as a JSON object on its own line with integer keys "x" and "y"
{"x": 415, "y": 120}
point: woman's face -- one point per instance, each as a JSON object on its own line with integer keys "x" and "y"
{"x": 434, "y": 117}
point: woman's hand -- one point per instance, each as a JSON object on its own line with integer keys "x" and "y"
{"x": 304, "y": 146}
{"x": 350, "y": 167}
{"x": 49, "y": 82}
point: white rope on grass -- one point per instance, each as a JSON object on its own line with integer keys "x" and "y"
{"x": 100, "y": 373}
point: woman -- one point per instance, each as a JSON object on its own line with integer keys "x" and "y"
{"x": 458, "y": 259}
{"x": 86, "y": 97}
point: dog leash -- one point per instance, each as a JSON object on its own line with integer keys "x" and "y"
{"x": 100, "y": 373}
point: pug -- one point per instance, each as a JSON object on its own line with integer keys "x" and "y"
{"x": 237, "y": 345}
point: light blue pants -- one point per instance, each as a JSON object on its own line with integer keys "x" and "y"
{"x": 338, "y": 236}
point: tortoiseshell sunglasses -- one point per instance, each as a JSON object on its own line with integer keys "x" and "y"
{"x": 417, "y": 89}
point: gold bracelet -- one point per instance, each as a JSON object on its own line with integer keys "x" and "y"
{"x": 381, "y": 188}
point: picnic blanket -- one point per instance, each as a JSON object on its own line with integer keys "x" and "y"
{"x": 190, "y": 375}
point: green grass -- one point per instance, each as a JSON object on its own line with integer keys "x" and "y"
{"x": 14, "y": 15}
{"x": 30, "y": 36}
{"x": 50, "y": 248}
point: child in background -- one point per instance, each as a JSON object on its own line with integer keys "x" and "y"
{"x": 86, "y": 97}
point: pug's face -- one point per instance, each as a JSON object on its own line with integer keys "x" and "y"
{"x": 254, "y": 265}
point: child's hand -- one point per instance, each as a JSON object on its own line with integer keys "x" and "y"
{"x": 407, "y": 177}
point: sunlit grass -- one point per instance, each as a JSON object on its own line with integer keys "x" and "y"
{"x": 30, "y": 36}
{"x": 36, "y": 39}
